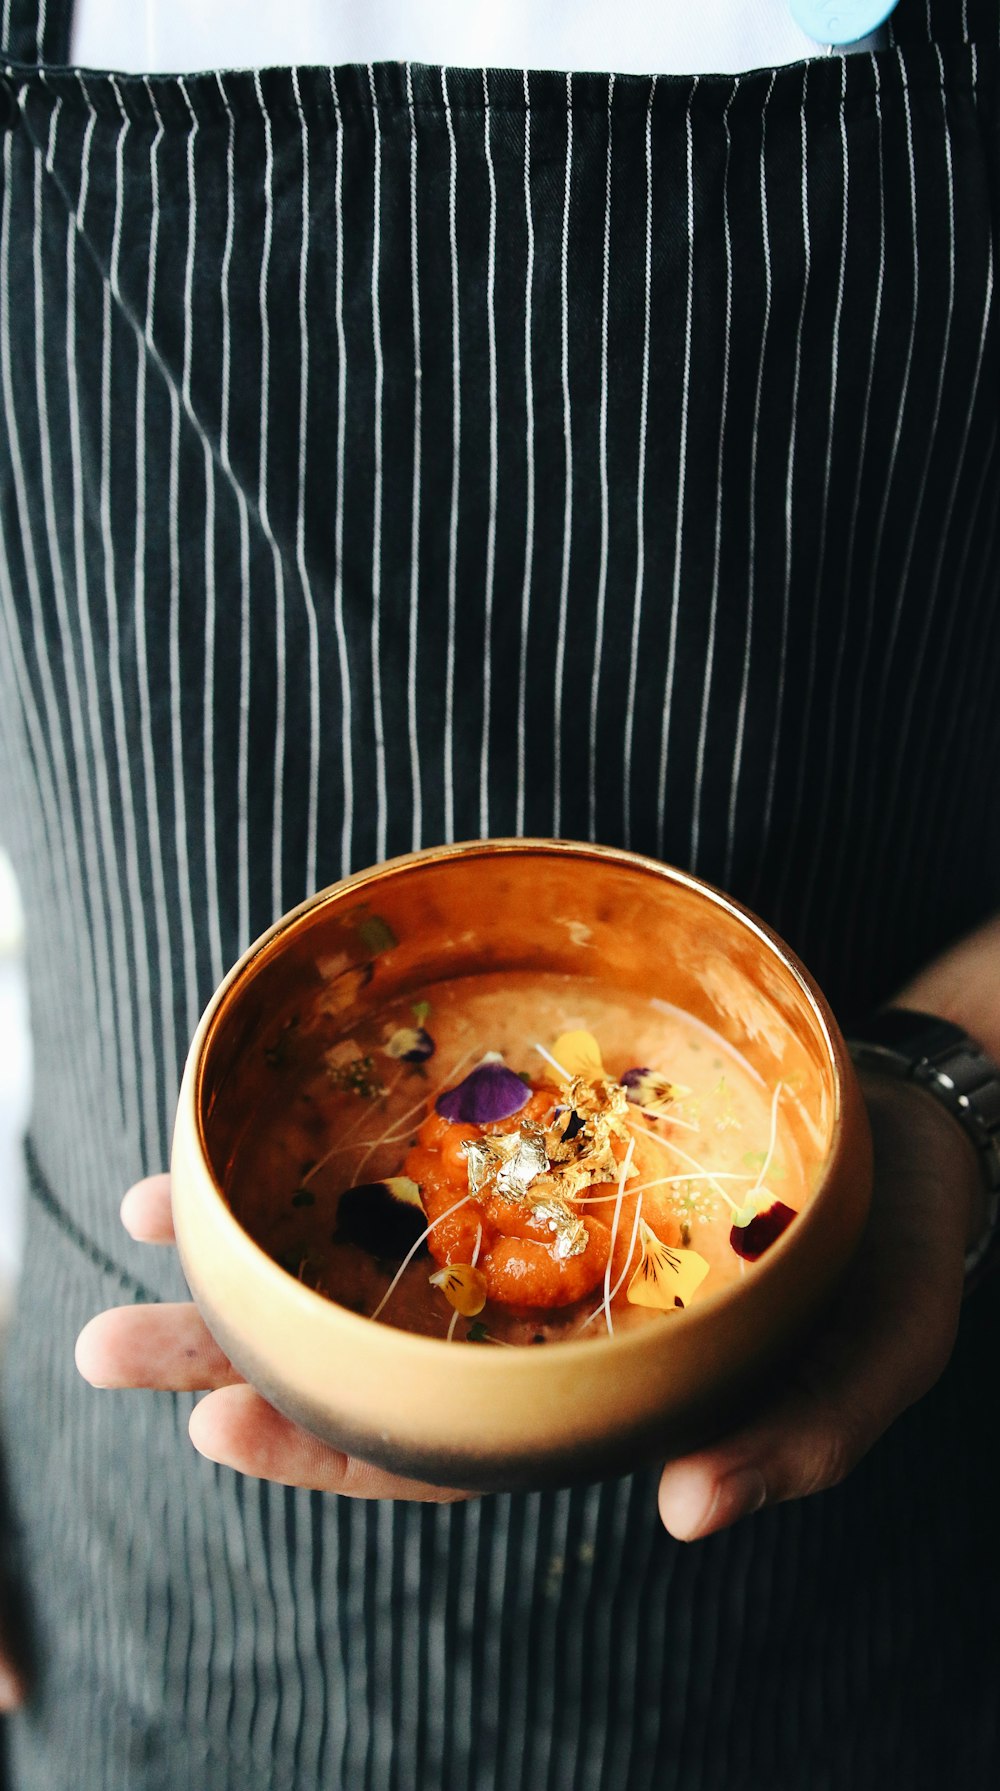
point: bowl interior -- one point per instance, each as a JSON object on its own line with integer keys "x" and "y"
{"x": 580, "y": 911}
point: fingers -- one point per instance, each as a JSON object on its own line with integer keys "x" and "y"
{"x": 167, "y": 1347}
{"x": 13, "y": 1686}
{"x": 145, "y": 1211}
{"x": 238, "y": 1429}
{"x": 844, "y": 1394}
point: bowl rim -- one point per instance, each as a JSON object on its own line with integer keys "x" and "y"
{"x": 355, "y": 1326}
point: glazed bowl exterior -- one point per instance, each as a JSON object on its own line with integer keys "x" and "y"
{"x": 505, "y": 1419}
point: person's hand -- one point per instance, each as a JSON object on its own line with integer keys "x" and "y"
{"x": 13, "y": 1678}
{"x": 169, "y": 1347}
{"x": 885, "y": 1342}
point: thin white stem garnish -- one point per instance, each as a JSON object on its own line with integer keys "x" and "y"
{"x": 623, "y": 1172}
{"x": 345, "y": 1137}
{"x": 475, "y": 1258}
{"x": 663, "y": 1181}
{"x": 628, "y": 1264}
{"x": 550, "y": 1059}
{"x": 765, "y": 1166}
{"x": 412, "y": 1251}
{"x": 403, "y": 1119}
{"x": 703, "y": 1174}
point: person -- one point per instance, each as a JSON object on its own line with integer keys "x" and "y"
{"x": 404, "y": 453}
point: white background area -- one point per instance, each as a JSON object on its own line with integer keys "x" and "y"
{"x": 629, "y": 36}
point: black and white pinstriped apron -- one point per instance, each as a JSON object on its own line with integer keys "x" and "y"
{"x": 394, "y": 455}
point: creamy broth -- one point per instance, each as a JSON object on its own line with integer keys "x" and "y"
{"x": 714, "y": 1151}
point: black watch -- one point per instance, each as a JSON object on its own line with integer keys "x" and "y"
{"x": 951, "y": 1066}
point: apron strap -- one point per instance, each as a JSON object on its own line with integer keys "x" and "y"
{"x": 35, "y": 30}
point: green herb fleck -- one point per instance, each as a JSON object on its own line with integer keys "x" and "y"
{"x": 478, "y": 1333}
{"x": 303, "y": 1197}
{"x": 376, "y": 933}
{"x": 421, "y": 1011}
{"x": 755, "y": 1160}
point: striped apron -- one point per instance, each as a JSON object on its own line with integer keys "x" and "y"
{"x": 393, "y": 455}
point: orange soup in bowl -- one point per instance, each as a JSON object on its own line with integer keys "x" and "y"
{"x": 520, "y": 1158}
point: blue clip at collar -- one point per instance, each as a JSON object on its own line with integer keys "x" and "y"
{"x": 839, "y": 22}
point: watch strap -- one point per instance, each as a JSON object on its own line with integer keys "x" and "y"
{"x": 950, "y": 1065}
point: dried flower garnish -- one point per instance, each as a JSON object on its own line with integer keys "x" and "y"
{"x": 463, "y": 1286}
{"x": 410, "y": 1044}
{"x": 385, "y": 1218}
{"x": 650, "y": 1091}
{"x": 489, "y": 1093}
{"x": 750, "y": 1238}
{"x": 579, "y": 1054}
{"x": 357, "y": 1075}
{"x": 666, "y": 1278}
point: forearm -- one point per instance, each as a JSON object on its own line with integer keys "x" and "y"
{"x": 963, "y": 985}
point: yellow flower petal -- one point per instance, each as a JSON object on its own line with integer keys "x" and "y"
{"x": 579, "y": 1054}
{"x": 666, "y": 1278}
{"x": 463, "y": 1287}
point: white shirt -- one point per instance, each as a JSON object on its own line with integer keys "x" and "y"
{"x": 620, "y": 36}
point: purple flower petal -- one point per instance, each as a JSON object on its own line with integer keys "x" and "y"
{"x": 384, "y": 1218}
{"x": 489, "y": 1093}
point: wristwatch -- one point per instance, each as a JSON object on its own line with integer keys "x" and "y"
{"x": 944, "y": 1060}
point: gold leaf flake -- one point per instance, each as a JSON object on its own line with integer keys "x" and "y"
{"x": 512, "y": 1160}
{"x": 463, "y": 1287}
{"x": 569, "y": 1233}
{"x": 665, "y": 1277}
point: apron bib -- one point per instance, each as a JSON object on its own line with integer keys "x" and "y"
{"x": 400, "y": 454}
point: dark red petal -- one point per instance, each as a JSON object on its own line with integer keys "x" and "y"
{"x": 750, "y": 1241}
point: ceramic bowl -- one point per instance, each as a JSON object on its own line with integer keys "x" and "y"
{"x": 493, "y": 1419}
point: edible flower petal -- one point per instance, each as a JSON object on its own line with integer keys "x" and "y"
{"x": 666, "y": 1278}
{"x": 648, "y": 1090}
{"x": 757, "y": 1201}
{"x": 579, "y": 1054}
{"x": 489, "y": 1093}
{"x": 410, "y": 1044}
{"x": 463, "y": 1286}
{"x": 385, "y": 1218}
{"x": 752, "y": 1239}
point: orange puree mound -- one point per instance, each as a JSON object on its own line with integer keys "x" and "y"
{"x": 514, "y": 1251}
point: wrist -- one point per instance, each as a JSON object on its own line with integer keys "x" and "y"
{"x": 937, "y": 1061}
{"x": 928, "y": 1120}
